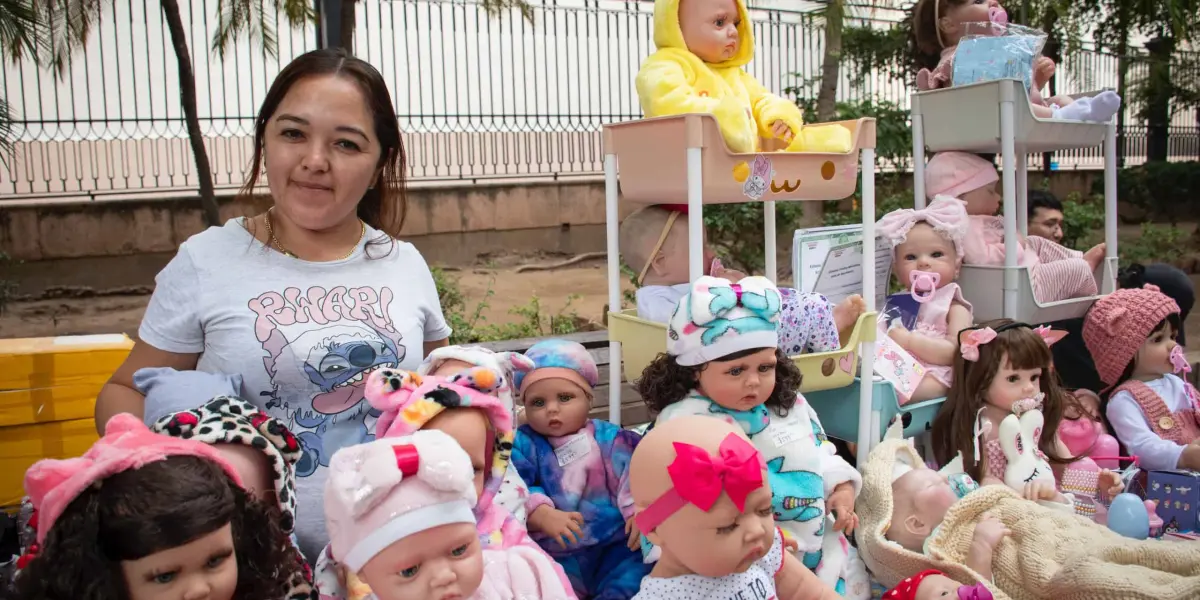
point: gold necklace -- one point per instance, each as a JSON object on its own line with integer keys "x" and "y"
{"x": 278, "y": 246}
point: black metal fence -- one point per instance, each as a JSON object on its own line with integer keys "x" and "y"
{"x": 480, "y": 97}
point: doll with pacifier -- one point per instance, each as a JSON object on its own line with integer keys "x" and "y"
{"x": 452, "y": 360}
{"x": 399, "y": 511}
{"x": 939, "y": 26}
{"x": 723, "y": 361}
{"x": 1003, "y": 411}
{"x": 143, "y": 516}
{"x": 928, "y": 248}
{"x": 704, "y": 497}
{"x": 580, "y": 510}
{"x": 1130, "y": 334}
{"x": 932, "y": 584}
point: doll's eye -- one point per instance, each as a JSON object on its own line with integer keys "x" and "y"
{"x": 728, "y": 529}
{"x": 216, "y": 561}
{"x": 736, "y": 371}
{"x": 410, "y": 572}
{"x": 539, "y": 403}
{"x": 766, "y": 368}
{"x": 766, "y": 512}
{"x": 459, "y": 551}
{"x": 164, "y": 578}
{"x": 565, "y": 397}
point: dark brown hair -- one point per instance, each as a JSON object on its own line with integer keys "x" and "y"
{"x": 923, "y": 40}
{"x": 140, "y": 512}
{"x": 384, "y": 205}
{"x": 666, "y": 382}
{"x": 953, "y": 429}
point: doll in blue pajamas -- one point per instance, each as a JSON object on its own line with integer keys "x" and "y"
{"x": 577, "y": 469}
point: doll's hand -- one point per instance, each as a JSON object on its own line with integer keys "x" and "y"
{"x": 900, "y": 335}
{"x": 1040, "y": 489}
{"x": 556, "y": 524}
{"x": 790, "y": 544}
{"x": 780, "y": 130}
{"x": 731, "y": 274}
{"x": 841, "y": 504}
{"x": 989, "y": 531}
{"x": 635, "y": 536}
{"x": 1110, "y": 484}
{"x": 1043, "y": 70}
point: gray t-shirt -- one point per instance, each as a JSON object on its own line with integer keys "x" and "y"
{"x": 303, "y": 336}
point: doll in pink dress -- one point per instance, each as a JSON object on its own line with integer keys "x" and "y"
{"x": 928, "y": 245}
{"x": 939, "y": 26}
{"x": 1056, "y": 272}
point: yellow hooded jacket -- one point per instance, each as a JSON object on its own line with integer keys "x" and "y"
{"x": 673, "y": 81}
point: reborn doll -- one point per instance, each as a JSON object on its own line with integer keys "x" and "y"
{"x": 577, "y": 466}
{"x": 1130, "y": 333}
{"x": 939, "y": 26}
{"x": 656, "y": 238}
{"x": 1056, "y": 273}
{"x": 1005, "y": 408}
{"x": 399, "y": 514}
{"x": 1040, "y": 552}
{"x": 932, "y": 584}
{"x": 452, "y": 360}
{"x": 142, "y": 516}
{"x": 723, "y": 361}
{"x": 703, "y": 497}
{"x": 702, "y": 47}
{"x": 928, "y": 247}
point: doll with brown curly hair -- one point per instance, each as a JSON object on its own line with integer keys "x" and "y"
{"x": 723, "y": 361}
{"x": 145, "y": 516}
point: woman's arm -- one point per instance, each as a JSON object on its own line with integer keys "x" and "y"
{"x": 120, "y": 396}
{"x": 434, "y": 345}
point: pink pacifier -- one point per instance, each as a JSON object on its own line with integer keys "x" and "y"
{"x": 922, "y": 285}
{"x": 997, "y": 15}
{"x": 974, "y": 592}
{"x": 1179, "y": 361}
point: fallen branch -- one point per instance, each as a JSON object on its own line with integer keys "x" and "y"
{"x": 566, "y": 263}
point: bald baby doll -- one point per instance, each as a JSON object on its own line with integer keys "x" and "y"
{"x": 701, "y": 493}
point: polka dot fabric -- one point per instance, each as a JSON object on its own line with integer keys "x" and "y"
{"x": 907, "y": 589}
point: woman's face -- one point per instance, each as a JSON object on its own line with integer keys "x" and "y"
{"x": 320, "y": 152}
{"x": 203, "y": 569}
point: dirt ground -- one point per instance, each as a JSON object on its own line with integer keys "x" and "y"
{"x": 587, "y": 280}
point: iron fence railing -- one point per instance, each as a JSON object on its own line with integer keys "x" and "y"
{"x": 480, "y": 97}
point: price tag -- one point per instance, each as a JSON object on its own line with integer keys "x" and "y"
{"x": 783, "y": 436}
{"x": 573, "y": 450}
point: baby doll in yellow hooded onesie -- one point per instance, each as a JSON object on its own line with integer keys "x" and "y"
{"x": 702, "y": 47}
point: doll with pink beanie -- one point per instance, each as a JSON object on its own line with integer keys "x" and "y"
{"x": 1056, "y": 273}
{"x": 1155, "y": 413}
{"x": 399, "y": 515}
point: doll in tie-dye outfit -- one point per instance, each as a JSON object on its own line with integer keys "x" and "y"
{"x": 580, "y": 510}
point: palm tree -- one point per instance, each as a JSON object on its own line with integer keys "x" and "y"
{"x": 347, "y": 18}
{"x": 51, "y": 29}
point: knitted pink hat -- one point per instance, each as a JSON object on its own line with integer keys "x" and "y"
{"x": 956, "y": 173}
{"x": 1119, "y": 323}
{"x": 383, "y": 491}
{"x": 127, "y": 444}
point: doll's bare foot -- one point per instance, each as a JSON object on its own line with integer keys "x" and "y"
{"x": 846, "y": 314}
{"x": 1095, "y": 256}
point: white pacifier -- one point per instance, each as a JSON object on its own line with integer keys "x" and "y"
{"x": 922, "y": 285}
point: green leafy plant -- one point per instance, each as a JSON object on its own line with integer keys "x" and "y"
{"x": 1157, "y": 243}
{"x": 736, "y": 231}
{"x": 1083, "y": 221}
{"x": 469, "y": 326}
{"x": 1163, "y": 190}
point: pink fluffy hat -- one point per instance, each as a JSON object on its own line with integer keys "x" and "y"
{"x": 127, "y": 444}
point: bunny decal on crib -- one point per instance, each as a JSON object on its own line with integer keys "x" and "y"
{"x": 1019, "y": 441}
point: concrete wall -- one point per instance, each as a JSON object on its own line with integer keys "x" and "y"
{"x": 123, "y": 243}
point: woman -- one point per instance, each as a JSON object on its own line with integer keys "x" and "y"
{"x": 306, "y": 299}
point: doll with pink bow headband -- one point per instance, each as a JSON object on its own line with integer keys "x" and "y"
{"x": 1055, "y": 272}
{"x": 143, "y": 516}
{"x": 703, "y": 495}
{"x": 1003, "y": 371}
{"x": 399, "y": 515}
{"x": 928, "y": 246}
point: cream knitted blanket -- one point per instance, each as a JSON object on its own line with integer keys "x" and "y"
{"x": 1050, "y": 555}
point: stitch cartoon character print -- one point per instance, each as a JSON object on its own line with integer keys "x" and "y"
{"x": 319, "y": 348}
